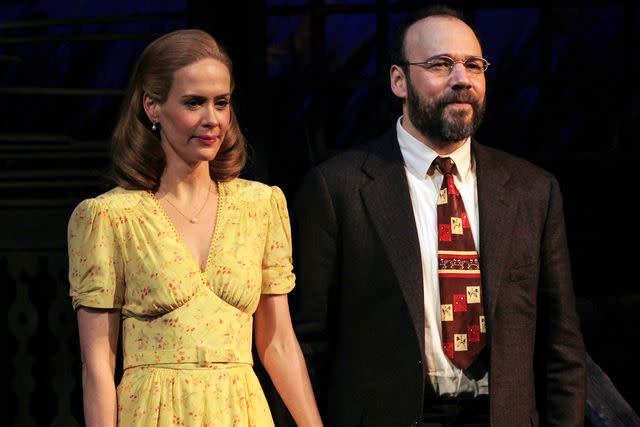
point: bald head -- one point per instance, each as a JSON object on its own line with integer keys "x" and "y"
{"x": 440, "y": 35}
{"x": 398, "y": 49}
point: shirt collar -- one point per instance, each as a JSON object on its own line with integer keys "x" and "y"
{"x": 418, "y": 157}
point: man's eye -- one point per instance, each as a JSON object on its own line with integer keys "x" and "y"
{"x": 439, "y": 65}
{"x": 474, "y": 66}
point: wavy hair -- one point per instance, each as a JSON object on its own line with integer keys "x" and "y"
{"x": 138, "y": 160}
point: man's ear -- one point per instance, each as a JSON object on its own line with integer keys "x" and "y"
{"x": 398, "y": 81}
{"x": 151, "y": 107}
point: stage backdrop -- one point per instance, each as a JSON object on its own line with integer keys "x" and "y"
{"x": 312, "y": 80}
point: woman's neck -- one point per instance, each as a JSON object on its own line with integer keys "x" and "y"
{"x": 184, "y": 182}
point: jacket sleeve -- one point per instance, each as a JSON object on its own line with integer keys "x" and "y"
{"x": 315, "y": 258}
{"x": 560, "y": 354}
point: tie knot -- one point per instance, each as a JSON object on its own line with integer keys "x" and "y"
{"x": 444, "y": 165}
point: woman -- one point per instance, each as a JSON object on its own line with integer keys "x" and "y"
{"x": 183, "y": 256}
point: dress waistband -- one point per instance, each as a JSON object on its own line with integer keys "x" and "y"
{"x": 202, "y": 355}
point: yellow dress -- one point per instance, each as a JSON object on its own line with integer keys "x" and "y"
{"x": 186, "y": 334}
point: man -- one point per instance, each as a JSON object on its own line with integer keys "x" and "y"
{"x": 387, "y": 249}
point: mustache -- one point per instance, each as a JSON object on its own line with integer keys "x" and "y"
{"x": 458, "y": 96}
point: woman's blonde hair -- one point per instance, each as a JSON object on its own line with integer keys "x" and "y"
{"x": 138, "y": 159}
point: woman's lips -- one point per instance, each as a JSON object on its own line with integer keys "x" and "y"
{"x": 206, "y": 140}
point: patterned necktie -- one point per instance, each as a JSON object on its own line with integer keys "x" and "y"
{"x": 462, "y": 313}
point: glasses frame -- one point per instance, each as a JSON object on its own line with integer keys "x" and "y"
{"x": 424, "y": 64}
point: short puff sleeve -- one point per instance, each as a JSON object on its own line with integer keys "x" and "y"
{"x": 95, "y": 259}
{"x": 277, "y": 268}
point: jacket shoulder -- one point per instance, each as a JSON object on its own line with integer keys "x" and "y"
{"x": 519, "y": 168}
{"x": 349, "y": 164}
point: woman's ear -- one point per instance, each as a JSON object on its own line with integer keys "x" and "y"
{"x": 151, "y": 107}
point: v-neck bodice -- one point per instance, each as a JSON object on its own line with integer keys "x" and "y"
{"x": 144, "y": 266}
{"x": 213, "y": 234}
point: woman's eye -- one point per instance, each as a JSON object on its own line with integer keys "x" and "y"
{"x": 193, "y": 103}
{"x": 222, "y": 103}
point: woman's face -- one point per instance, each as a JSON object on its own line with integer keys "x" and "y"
{"x": 196, "y": 115}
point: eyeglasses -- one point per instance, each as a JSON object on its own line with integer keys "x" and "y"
{"x": 442, "y": 65}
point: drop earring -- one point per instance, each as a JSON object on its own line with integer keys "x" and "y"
{"x": 154, "y": 127}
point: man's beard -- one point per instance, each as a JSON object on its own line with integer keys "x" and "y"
{"x": 443, "y": 128}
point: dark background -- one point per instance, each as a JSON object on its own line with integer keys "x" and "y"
{"x": 312, "y": 80}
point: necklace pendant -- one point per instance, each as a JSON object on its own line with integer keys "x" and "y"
{"x": 193, "y": 220}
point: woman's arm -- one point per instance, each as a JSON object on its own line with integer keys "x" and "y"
{"x": 280, "y": 354}
{"x": 98, "y": 343}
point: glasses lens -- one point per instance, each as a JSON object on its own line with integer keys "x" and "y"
{"x": 475, "y": 65}
{"x": 441, "y": 65}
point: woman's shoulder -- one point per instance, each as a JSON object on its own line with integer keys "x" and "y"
{"x": 115, "y": 200}
{"x": 248, "y": 190}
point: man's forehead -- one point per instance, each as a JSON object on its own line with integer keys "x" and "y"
{"x": 437, "y": 35}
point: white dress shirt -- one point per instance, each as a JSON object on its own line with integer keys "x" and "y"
{"x": 445, "y": 377}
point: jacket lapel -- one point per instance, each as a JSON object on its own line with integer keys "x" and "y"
{"x": 387, "y": 200}
{"x": 496, "y": 217}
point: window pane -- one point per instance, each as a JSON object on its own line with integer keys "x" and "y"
{"x": 510, "y": 40}
{"x": 588, "y": 104}
{"x": 350, "y": 44}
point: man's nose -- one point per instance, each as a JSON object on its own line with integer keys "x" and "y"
{"x": 459, "y": 76}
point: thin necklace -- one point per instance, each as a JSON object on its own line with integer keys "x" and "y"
{"x": 194, "y": 219}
